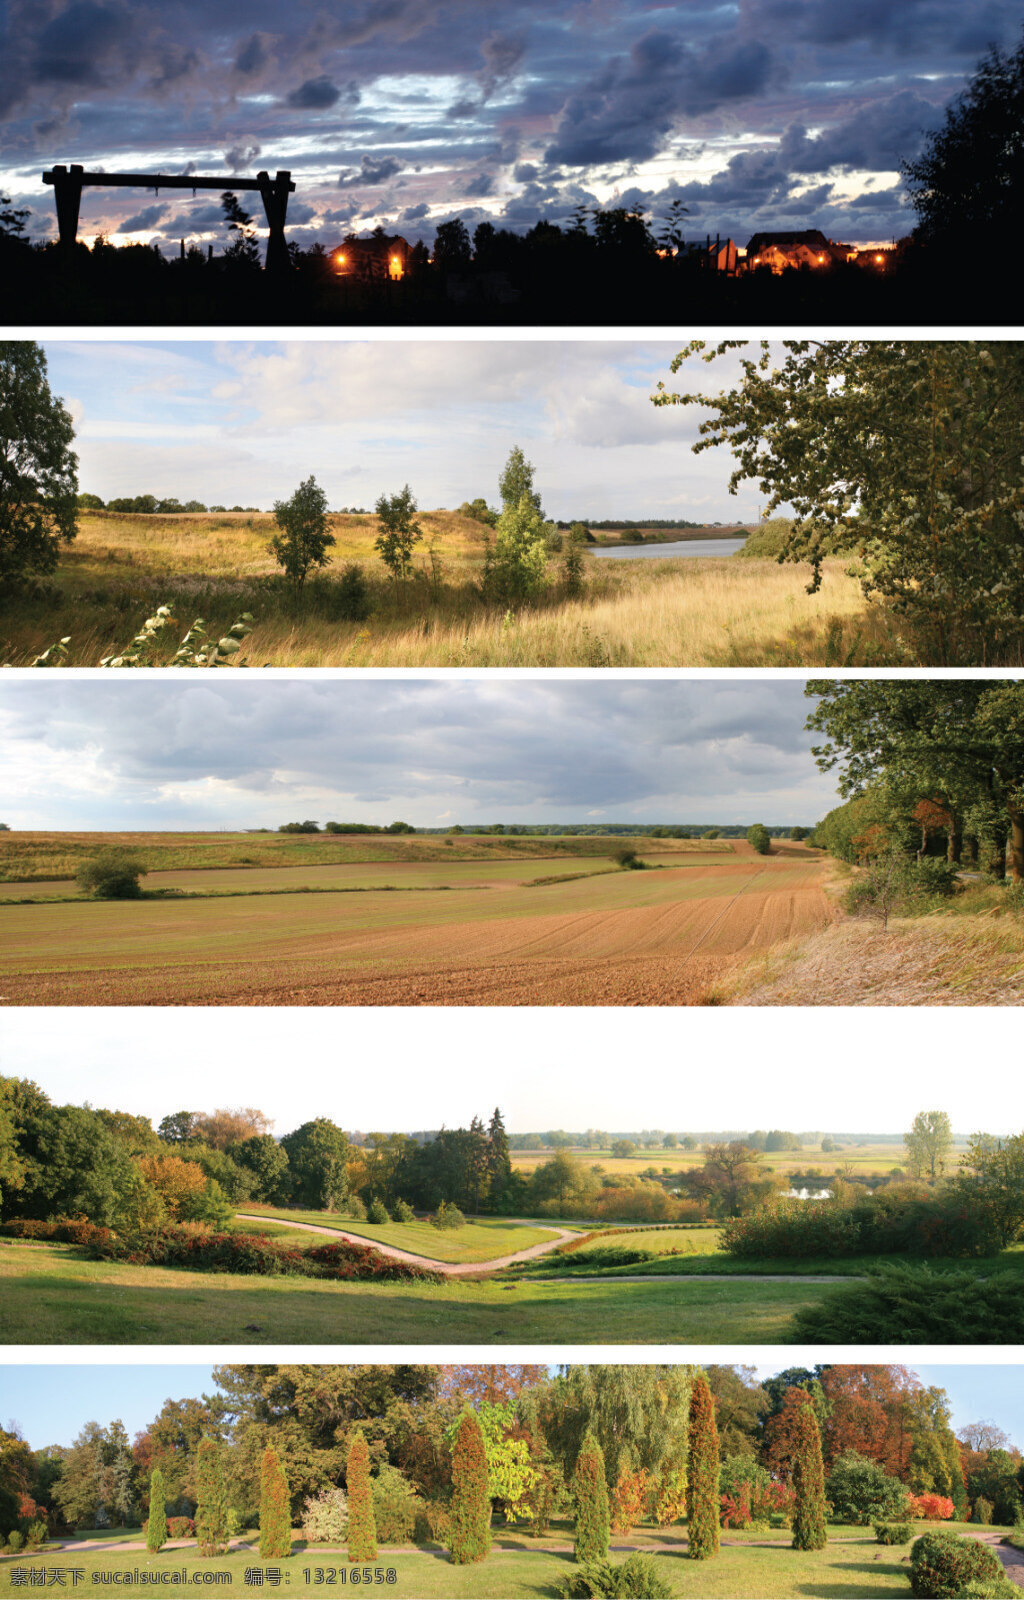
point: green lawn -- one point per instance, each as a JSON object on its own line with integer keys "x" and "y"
{"x": 482, "y": 1240}
{"x": 51, "y": 1294}
{"x": 852, "y": 1565}
{"x": 811, "y": 1266}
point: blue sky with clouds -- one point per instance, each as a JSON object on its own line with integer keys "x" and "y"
{"x": 243, "y": 750}
{"x": 55, "y": 1411}
{"x": 242, "y": 423}
{"x": 792, "y": 113}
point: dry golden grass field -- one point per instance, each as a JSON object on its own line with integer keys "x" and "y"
{"x": 478, "y": 934}
{"x": 649, "y": 612}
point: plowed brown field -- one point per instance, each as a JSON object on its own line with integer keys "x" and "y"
{"x": 663, "y": 937}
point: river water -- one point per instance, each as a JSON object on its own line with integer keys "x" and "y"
{"x": 675, "y": 549}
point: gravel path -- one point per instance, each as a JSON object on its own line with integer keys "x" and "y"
{"x": 450, "y": 1269}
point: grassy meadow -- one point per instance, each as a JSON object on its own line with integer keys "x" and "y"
{"x": 52, "y": 1294}
{"x": 480, "y": 1240}
{"x": 763, "y": 1567}
{"x": 663, "y": 612}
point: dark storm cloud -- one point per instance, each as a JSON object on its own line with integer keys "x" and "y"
{"x": 490, "y": 94}
{"x": 149, "y": 217}
{"x": 316, "y": 94}
{"x": 372, "y": 169}
{"x": 512, "y": 746}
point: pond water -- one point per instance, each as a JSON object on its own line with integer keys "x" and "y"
{"x": 675, "y": 549}
{"x": 807, "y": 1194}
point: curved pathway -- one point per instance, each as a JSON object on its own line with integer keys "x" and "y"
{"x": 450, "y": 1269}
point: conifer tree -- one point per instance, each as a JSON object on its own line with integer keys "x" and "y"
{"x": 275, "y": 1507}
{"x": 470, "y": 1535}
{"x": 499, "y": 1165}
{"x": 211, "y": 1500}
{"x": 809, "y": 1483}
{"x": 362, "y": 1530}
{"x": 156, "y": 1532}
{"x": 592, "y": 1513}
{"x": 702, "y": 1489}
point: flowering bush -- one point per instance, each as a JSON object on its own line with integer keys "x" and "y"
{"x": 325, "y": 1516}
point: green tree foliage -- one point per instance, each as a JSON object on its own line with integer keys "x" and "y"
{"x": 516, "y": 482}
{"x": 305, "y": 536}
{"x": 362, "y": 1530}
{"x": 38, "y": 468}
{"x": 642, "y": 1408}
{"x": 112, "y": 875}
{"x": 267, "y": 1163}
{"x": 12, "y": 1165}
{"x": 991, "y": 1180}
{"x": 515, "y": 569}
{"x": 211, "y": 1499}
{"x": 156, "y": 1532}
{"x": 572, "y": 561}
{"x": 759, "y": 837}
{"x": 590, "y": 1492}
{"x": 317, "y": 1153}
{"x": 275, "y": 1508}
{"x": 470, "y": 1536}
{"x": 969, "y": 179}
{"x": 702, "y": 1503}
{"x": 928, "y": 1144}
{"x": 809, "y": 1512}
{"x": 907, "y": 453}
{"x": 399, "y": 532}
{"x": 960, "y": 740}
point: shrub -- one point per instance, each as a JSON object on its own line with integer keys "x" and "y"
{"x": 377, "y": 1211}
{"x": 211, "y": 1499}
{"x": 362, "y": 1531}
{"x": 861, "y": 1491}
{"x": 447, "y": 1216}
{"x": 325, "y": 1516}
{"x": 252, "y": 1253}
{"x": 931, "y": 1507}
{"x": 590, "y": 1491}
{"x": 433, "y": 1523}
{"x": 916, "y": 1305}
{"x": 395, "y": 1504}
{"x": 470, "y": 1536}
{"x": 181, "y": 1528}
{"x": 15, "y": 1540}
{"x": 982, "y": 1512}
{"x": 112, "y": 875}
{"x": 893, "y": 1532}
{"x": 351, "y": 595}
{"x": 65, "y": 1230}
{"x": 759, "y": 838}
{"x": 943, "y": 1563}
{"x": 402, "y": 1211}
{"x": 637, "y": 1578}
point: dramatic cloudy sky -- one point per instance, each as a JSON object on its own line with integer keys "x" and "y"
{"x": 55, "y": 1411}
{"x": 785, "y": 112}
{"x": 247, "y": 750}
{"x": 237, "y": 423}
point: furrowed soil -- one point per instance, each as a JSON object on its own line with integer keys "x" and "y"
{"x": 667, "y": 936}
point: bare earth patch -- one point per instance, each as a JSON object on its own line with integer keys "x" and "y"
{"x": 928, "y": 962}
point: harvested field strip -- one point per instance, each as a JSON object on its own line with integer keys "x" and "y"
{"x": 252, "y": 948}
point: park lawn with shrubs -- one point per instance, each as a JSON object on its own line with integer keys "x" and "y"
{"x": 834, "y": 1266}
{"x": 845, "y": 1568}
{"x": 482, "y": 1239}
{"x": 52, "y": 1294}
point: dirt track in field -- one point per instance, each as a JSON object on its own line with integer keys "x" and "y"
{"x": 665, "y": 951}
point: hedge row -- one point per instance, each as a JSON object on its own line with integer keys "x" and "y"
{"x": 933, "y": 1226}
{"x": 250, "y": 1253}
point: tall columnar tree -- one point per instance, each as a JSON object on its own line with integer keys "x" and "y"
{"x": 211, "y": 1499}
{"x": 499, "y": 1166}
{"x": 38, "y": 468}
{"x": 808, "y": 1482}
{"x": 593, "y": 1516}
{"x": 702, "y": 1491}
{"x": 470, "y": 1536}
{"x": 156, "y": 1532}
{"x": 275, "y": 1507}
{"x": 362, "y": 1529}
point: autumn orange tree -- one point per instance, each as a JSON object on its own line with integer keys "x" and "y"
{"x": 275, "y": 1507}
{"x": 470, "y": 1536}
